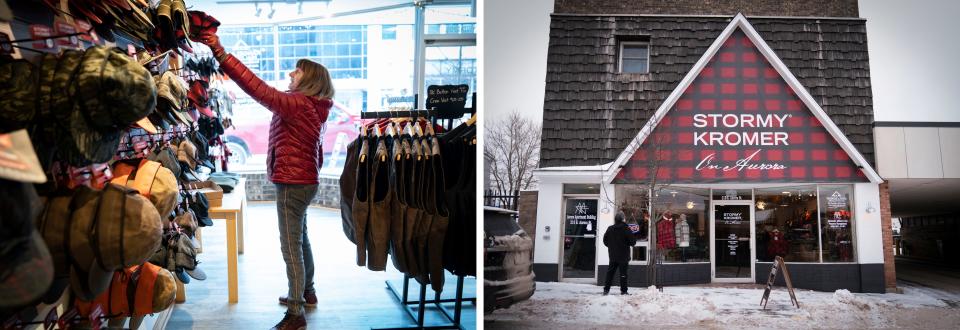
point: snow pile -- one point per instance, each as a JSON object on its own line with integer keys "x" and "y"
{"x": 583, "y": 306}
{"x": 586, "y": 305}
{"x": 515, "y": 241}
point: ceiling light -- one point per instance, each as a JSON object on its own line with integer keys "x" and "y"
{"x": 690, "y": 205}
{"x": 272, "y": 11}
{"x": 786, "y": 192}
{"x": 761, "y": 205}
{"x": 256, "y": 5}
{"x": 300, "y": 8}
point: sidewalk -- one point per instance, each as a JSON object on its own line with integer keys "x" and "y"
{"x": 568, "y": 306}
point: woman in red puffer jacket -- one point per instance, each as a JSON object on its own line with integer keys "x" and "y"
{"x": 293, "y": 163}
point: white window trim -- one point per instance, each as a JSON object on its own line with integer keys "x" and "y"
{"x": 620, "y": 55}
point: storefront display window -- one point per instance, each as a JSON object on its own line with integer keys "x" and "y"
{"x": 787, "y": 224}
{"x": 836, "y": 223}
{"x": 633, "y": 202}
{"x": 682, "y": 224}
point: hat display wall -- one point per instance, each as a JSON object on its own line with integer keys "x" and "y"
{"x": 26, "y": 267}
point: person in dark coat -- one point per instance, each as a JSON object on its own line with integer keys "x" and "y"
{"x": 618, "y": 239}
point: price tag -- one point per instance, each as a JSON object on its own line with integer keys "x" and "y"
{"x": 96, "y": 313}
{"x": 140, "y": 146}
{"x": 447, "y": 97}
{"x": 84, "y": 26}
{"x": 38, "y": 31}
{"x": 63, "y": 28}
{"x": 101, "y": 175}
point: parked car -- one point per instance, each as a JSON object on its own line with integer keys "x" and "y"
{"x": 507, "y": 260}
{"x": 250, "y": 135}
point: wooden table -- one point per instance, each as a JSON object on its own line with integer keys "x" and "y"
{"x": 231, "y": 210}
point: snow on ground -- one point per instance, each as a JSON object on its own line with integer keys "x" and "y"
{"x": 556, "y": 304}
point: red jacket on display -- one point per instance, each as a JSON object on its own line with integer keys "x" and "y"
{"x": 777, "y": 245}
{"x": 666, "y": 239}
{"x": 296, "y": 130}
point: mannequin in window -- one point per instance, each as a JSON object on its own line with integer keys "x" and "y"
{"x": 682, "y": 231}
{"x": 777, "y": 245}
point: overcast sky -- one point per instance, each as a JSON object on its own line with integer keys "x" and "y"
{"x": 913, "y": 58}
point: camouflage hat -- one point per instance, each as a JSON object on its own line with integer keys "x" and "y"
{"x": 112, "y": 91}
{"x": 56, "y": 106}
{"x": 123, "y": 90}
{"x": 17, "y": 94}
{"x": 172, "y": 96}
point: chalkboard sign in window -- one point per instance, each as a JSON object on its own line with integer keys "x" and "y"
{"x": 447, "y": 98}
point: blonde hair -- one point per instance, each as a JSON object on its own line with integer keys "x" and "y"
{"x": 314, "y": 80}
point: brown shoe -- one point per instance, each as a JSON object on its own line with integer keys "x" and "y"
{"x": 291, "y": 322}
{"x": 311, "y": 300}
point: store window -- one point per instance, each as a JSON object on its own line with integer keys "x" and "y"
{"x": 786, "y": 220}
{"x": 581, "y": 189}
{"x": 340, "y": 48}
{"x": 632, "y": 201}
{"x": 388, "y": 32}
{"x": 836, "y": 223}
{"x": 634, "y": 57}
{"x": 682, "y": 225}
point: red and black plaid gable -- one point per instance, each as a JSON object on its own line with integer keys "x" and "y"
{"x": 739, "y": 121}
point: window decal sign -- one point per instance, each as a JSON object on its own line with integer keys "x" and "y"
{"x": 739, "y": 121}
{"x": 581, "y": 217}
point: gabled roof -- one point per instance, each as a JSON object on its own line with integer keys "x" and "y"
{"x": 591, "y": 111}
{"x": 740, "y": 22}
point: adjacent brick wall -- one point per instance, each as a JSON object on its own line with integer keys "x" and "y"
{"x": 889, "y": 263}
{"x": 805, "y": 8}
{"x": 528, "y": 214}
{"x": 259, "y": 188}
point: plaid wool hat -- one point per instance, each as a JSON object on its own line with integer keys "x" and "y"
{"x": 202, "y": 24}
{"x": 18, "y": 91}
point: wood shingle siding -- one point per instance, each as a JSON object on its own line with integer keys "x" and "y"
{"x": 591, "y": 112}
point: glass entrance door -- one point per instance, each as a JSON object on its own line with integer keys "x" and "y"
{"x": 580, "y": 239}
{"x": 732, "y": 248}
